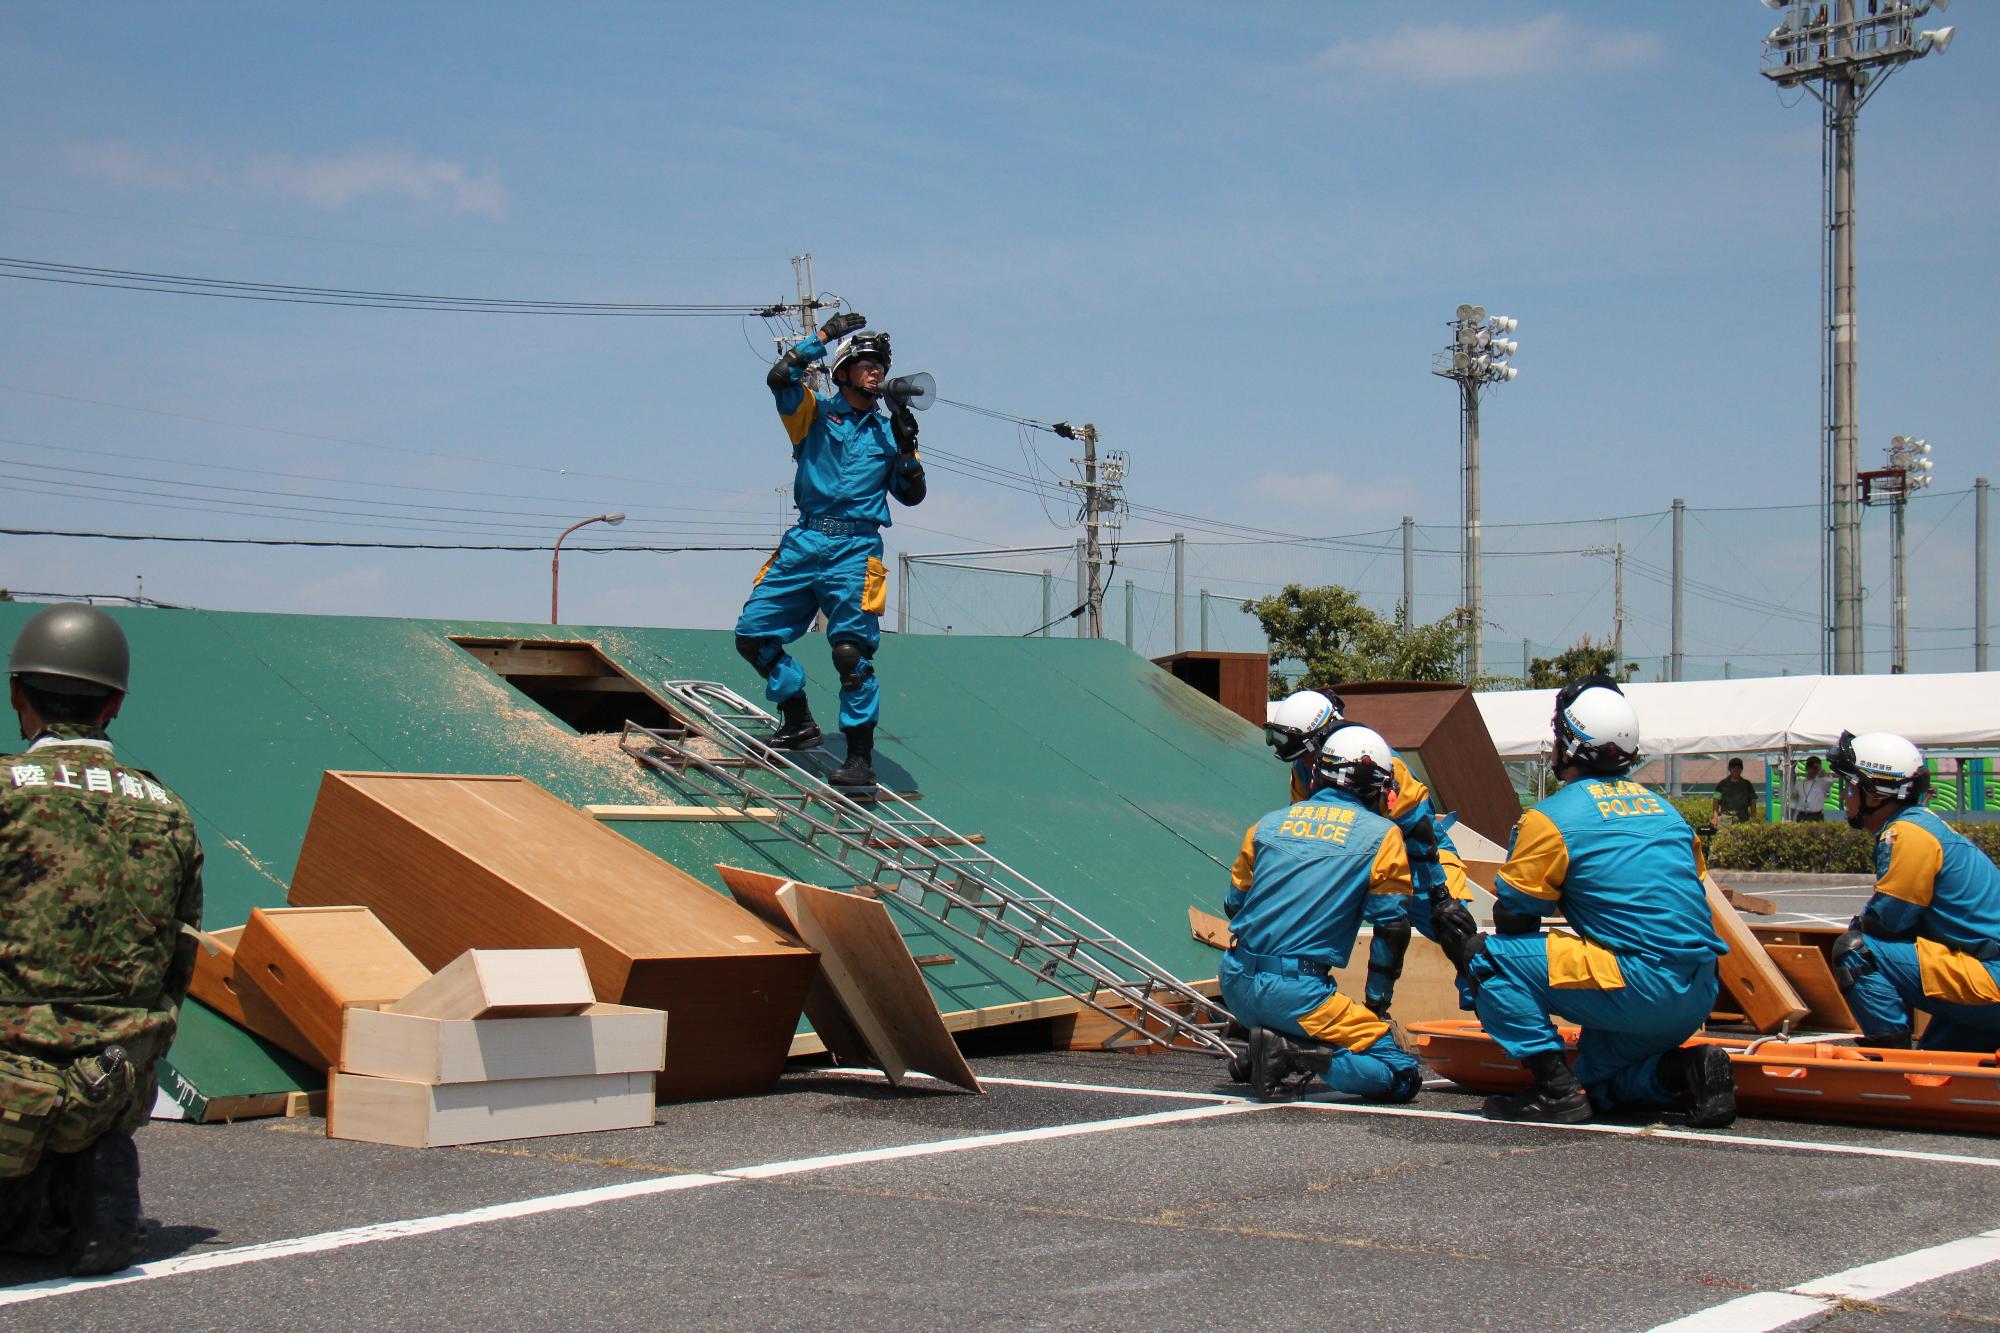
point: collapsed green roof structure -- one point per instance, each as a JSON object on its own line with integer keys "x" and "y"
{"x": 1088, "y": 769}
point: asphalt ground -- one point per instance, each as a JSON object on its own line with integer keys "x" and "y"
{"x": 1083, "y": 1191}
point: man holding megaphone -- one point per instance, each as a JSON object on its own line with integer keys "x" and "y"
{"x": 852, "y": 454}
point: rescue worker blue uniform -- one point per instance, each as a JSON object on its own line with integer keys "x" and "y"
{"x": 1638, "y": 975}
{"x": 1434, "y": 860}
{"x": 1305, "y": 879}
{"x": 831, "y": 562}
{"x": 1931, "y": 938}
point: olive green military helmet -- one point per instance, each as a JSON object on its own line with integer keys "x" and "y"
{"x": 72, "y": 649}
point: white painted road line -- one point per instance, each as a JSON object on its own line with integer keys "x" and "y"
{"x": 424, "y": 1226}
{"x": 361, "y": 1235}
{"x": 1869, "y": 1282}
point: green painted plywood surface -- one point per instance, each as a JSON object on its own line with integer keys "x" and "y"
{"x": 1088, "y": 769}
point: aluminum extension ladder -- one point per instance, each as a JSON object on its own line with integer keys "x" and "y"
{"x": 890, "y": 844}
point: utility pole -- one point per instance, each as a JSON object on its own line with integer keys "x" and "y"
{"x": 1475, "y": 357}
{"x": 803, "y": 315}
{"x": 1980, "y": 487}
{"x": 1842, "y": 58}
{"x": 1099, "y": 511}
{"x": 1617, "y": 553}
{"x": 1409, "y": 571}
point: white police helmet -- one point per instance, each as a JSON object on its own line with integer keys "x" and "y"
{"x": 1884, "y": 764}
{"x": 1355, "y": 759}
{"x": 1596, "y": 727}
{"x": 1296, "y": 725}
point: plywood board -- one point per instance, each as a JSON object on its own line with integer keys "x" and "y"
{"x": 604, "y": 1039}
{"x": 870, "y": 969}
{"x": 1209, "y": 928}
{"x": 503, "y": 864}
{"x": 1806, "y": 968}
{"x": 312, "y": 963}
{"x": 503, "y": 983}
{"x": 1748, "y": 974}
{"x": 837, "y": 1032}
{"x": 432, "y": 1115}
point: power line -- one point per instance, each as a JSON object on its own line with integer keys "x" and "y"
{"x": 353, "y": 545}
{"x": 179, "y": 284}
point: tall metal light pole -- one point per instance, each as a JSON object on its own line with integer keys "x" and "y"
{"x": 1475, "y": 358}
{"x": 1909, "y": 470}
{"x": 555, "y": 557}
{"x": 1841, "y": 58}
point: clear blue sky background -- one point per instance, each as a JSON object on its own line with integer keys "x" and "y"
{"x": 1228, "y": 235}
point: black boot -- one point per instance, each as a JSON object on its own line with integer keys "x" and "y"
{"x": 1556, "y": 1097}
{"x": 1276, "y": 1058}
{"x": 859, "y": 768}
{"x": 799, "y": 731}
{"x": 103, "y": 1197}
{"x": 1703, "y": 1075}
{"x": 1899, "y": 1040}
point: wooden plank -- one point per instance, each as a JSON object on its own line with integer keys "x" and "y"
{"x": 503, "y": 983}
{"x": 603, "y": 1039}
{"x": 314, "y": 962}
{"x": 1806, "y": 968}
{"x": 681, "y": 814}
{"x": 869, "y": 967}
{"x": 1088, "y": 1030}
{"x": 432, "y": 1115}
{"x": 992, "y": 1016}
{"x": 1209, "y": 928}
{"x": 1749, "y": 902}
{"x": 838, "y": 1034}
{"x": 935, "y": 959}
{"x": 503, "y": 864}
{"x": 1748, "y": 974}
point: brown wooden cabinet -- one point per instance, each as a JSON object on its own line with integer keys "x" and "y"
{"x": 1240, "y": 682}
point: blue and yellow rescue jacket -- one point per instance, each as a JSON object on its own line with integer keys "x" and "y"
{"x": 1620, "y": 863}
{"x": 1308, "y": 874}
{"x": 1434, "y": 860}
{"x": 847, "y": 461}
{"x": 1931, "y": 883}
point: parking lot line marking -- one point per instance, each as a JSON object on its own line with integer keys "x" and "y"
{"x": 402, "y": 1229}
{"x": 1869, "y": 1282}
{"x": 1001, "y": 1139}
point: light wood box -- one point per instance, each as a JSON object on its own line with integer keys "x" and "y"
{"x": 313, "y": 963}
{"x": 435, "y": 1115}
{"x": 604, "y": 1039}
{"x": 225, "y": 988}
{"x": 503, "y": 983}
{"x": 452, "y": 863}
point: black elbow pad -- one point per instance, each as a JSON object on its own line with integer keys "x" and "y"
{"x": 780, "y": 374}
{"x": 1514, "y": 923}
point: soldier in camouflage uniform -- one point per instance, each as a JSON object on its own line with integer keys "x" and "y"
{"x": 100, "y": 871}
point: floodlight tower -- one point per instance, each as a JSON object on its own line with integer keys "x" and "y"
{"x": 1841, "y": 58}
{"x": 1475, "y": 358}
{"x": 1909, "y": 470}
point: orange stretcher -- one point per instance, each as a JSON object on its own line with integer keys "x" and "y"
{"x": 1802, "y": 1080}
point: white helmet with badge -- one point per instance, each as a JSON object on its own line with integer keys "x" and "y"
{"x": 1296, "y": 725}
{"x": 1356, "y": 760}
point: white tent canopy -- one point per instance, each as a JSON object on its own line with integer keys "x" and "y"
{"x": 1956, "y": 710}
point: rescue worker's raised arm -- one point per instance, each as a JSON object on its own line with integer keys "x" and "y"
{"x": 1529, "y": 886}
{"x": 787, "y": 375}
{"x": 1241, "y": 874}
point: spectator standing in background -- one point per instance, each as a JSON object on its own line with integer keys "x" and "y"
{"x": 1809, "y": 794}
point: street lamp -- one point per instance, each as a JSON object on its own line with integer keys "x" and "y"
{"x": 1476, "y": 357}
{"x": 555, "y": 559}
{"x": 1909, "y": 470}
{"x": 1841, "y": 51}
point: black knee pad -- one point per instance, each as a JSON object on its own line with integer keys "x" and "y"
{"x": 852, "y": 664}
{"x": 1851, "y": 959}
{"x": 761, "y": 654}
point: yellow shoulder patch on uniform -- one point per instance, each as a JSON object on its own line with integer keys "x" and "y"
{"x": 1915, "y": 857}
{"x": 1539, "y": 860}
{"x": 799, "y": 420}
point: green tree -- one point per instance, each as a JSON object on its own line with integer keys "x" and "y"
{"x": 1582, "y": 658}
{"x": 1338, "y": 639}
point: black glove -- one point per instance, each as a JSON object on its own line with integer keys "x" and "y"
{"x": 903, "y": 425}
{"x": 1456, "y": 930}
{"x": 841, "y": 325}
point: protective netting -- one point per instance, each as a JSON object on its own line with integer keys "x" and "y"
{"x": 1751, "y": 590}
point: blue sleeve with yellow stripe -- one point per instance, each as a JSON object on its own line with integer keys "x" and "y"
{"x": 1907, "y": 860}
{"x": 1242, "y": 874}
{"x": 1537, "y": 859}
{"x": 797, "y": 406}
{"x": 1389, "y": 885}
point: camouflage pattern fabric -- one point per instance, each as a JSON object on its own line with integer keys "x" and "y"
{"x": 99, "y": 869}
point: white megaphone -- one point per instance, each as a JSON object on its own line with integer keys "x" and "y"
{"x": 917, "y": 391}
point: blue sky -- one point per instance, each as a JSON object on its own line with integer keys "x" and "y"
{"x": 1229, "y": 236}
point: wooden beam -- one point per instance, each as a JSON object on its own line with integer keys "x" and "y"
{"x": 1748, "y": 974}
